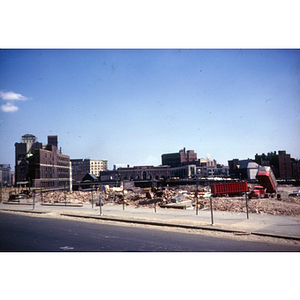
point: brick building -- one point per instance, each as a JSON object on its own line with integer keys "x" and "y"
{"x": 144, "y": 173}
{"x": 296, "y": 168}
{"x": 77, "y": 169}
{"x": 180, "y": 158}
{"x": 42, "y": 165}
{"x": 280, "y": 163}
{"x": 80, "y": 167}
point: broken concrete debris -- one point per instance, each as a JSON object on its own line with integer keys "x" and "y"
{"x": 180, "y": 197}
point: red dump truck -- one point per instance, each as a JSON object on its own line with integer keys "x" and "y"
{"x": 266, "y": 178}
{"x": 230, "y": 188}
{"x": 258, "y": 192}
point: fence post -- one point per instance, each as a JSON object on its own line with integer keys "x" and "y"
{"x": 33, "y": 200}
{"x": 42, "y": 200}
{"x": 197, "y": 197}
{"x": 123, "y": 197}
{"x": 211, "y": 212}
{"x": 100, "y": 204}
{"x": 246, "y": 199}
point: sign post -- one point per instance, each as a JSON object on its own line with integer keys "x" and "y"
{"x": 246, "y": 199}
{"x": 127, "y": 185}
{"x": 123, "y": 197}
{"x": 100, "y": 204}
{"x": 65, "y": 194}
{"x": 197, "y": 198}
{"x": 42, "y": 201}
{"x": 92, "y": 196}
{"x": 211, "y": 212}
{"x": 33, "y": 200}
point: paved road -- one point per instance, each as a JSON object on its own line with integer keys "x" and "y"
{"x": 27, "y": 233}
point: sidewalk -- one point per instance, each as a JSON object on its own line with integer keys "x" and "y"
{"x": 259, "y": 224}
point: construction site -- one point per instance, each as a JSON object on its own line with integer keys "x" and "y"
{"x": 264, "y": 196}
{"x": 189, "y": 197}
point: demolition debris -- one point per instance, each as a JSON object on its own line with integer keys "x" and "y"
{"x": 181, "y": 197}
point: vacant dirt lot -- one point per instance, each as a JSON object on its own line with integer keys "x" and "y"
{"x": 180, "y": 196}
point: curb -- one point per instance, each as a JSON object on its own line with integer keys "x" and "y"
{"x": 25, "y": 211}
{"x": 186, "y": 226}
{"x": 61, "y": 205}
{"x": 162, "y": 224}
{"x": 16, "y": 203}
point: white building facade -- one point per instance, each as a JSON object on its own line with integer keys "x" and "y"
{"x": 94, "y": 166}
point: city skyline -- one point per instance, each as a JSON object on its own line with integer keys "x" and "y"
{"x": 130, "y": 106}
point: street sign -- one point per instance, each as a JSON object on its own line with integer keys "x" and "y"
{"x": 128, "y": 184}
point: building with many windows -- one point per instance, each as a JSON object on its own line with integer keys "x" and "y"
{"x": 280, "y": 163}
{"x": 94, "y": 166}
{"x": 82, "y": 166}
{"x": 42, "y": 165}
{"x": 144, "y": 173}
{"x": 77, "y": 170}
{"x": 180, "y": 158}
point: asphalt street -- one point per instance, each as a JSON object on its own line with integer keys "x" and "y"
{"x": 27, "y": 233}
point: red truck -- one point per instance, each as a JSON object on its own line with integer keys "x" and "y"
{"x": 258, "y": 192}
{"x": 266, "y": 178}
{"x": 230, "y": 188}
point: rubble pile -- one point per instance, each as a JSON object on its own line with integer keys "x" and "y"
{"x": 77, "y": 197}
{"x": 268, "y": 206}
{"x": 145, "y": 197}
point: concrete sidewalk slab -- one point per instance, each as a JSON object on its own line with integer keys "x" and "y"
{"x": 261, "y": 224}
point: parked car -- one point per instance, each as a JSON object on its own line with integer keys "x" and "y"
{"x": 295, "y": 193}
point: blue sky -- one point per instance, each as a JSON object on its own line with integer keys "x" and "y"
{"x": 130, "y": 106}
